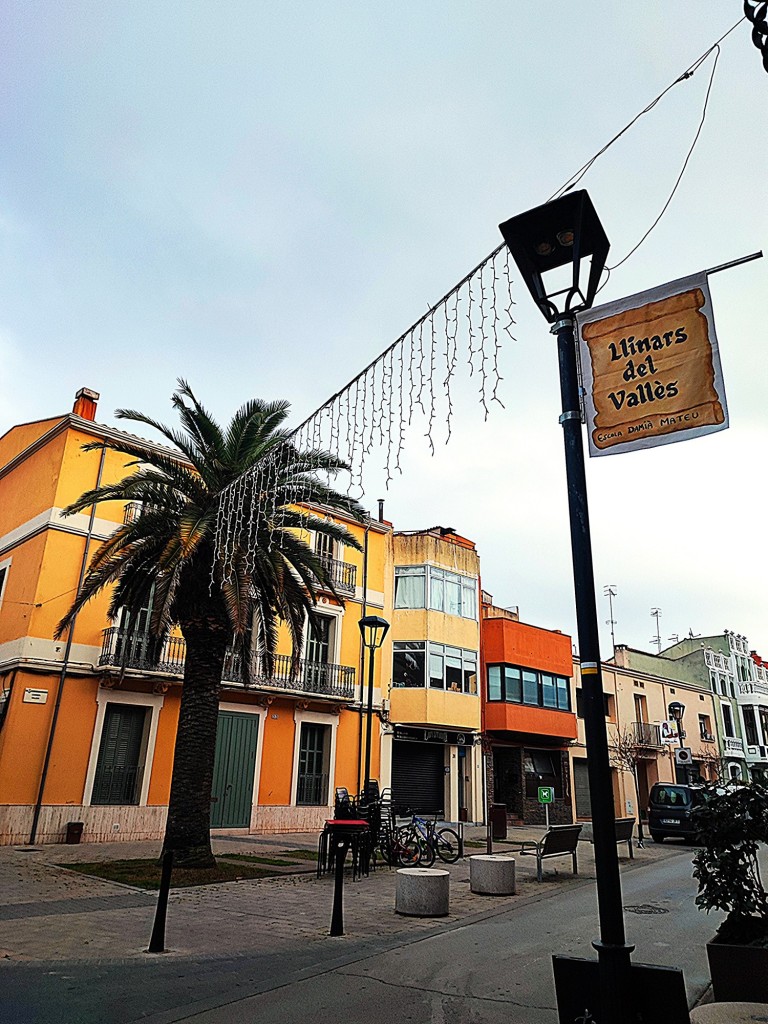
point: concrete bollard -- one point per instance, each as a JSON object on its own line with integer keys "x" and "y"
{"x": 422, "y": 892}
{"x": 492, "y": 876}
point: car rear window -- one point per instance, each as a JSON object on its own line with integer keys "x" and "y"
{"x": 671, "y": 796}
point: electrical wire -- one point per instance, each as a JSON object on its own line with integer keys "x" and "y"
{"x": 679, "y": 178}
{"x": 688, "y": 73}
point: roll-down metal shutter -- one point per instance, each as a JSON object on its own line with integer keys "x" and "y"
{"x": 581, "y": 788}
{"x": 418, "y": 776}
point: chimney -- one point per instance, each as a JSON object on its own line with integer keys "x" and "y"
{"x": 381, "y": 509}
{"x": 85, "y": 403}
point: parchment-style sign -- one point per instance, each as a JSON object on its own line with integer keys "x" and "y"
{"x": 651, "y": 368}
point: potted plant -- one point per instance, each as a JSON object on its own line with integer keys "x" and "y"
{"x": 731, "y": 822}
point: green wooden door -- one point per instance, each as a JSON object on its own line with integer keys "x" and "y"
{"x": 233, "y": 769}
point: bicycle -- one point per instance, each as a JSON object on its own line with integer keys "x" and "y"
{"x": 397, "y": 847}
{"x": 433, "y": 841}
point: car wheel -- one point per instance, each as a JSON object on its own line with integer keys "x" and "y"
{"x": 657, "y": 837}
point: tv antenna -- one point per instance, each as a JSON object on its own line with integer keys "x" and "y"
{"x": 656, "y": 614}
{"x": 609, "y": 591}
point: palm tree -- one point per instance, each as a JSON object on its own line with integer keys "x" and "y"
{"x": 167, "y": 556}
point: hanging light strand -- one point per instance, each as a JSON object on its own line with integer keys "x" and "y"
{"x": 414, "y": 374}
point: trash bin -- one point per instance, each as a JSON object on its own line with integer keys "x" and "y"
{"x": 499, "y": 821}
{"x": 74, "y": 832}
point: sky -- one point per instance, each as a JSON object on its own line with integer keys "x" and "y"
{"x": 260, "y": 197}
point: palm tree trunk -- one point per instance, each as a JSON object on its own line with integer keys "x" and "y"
{"x": 188, "y": 828}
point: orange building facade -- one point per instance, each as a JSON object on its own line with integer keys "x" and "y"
{"x": 88, "y": 723}
{"x": 528, "y": 715}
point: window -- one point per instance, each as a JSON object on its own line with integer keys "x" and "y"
{"x": 120, "y": 765}
{"x": 527, "y": 686}
{"x": 450, "y": 668}
{"x": 750, "y": 726}
{"x": 408, "y": 663}
{"x": 494, "y": 682}
{"x": 727, "y": 720}
{"x": 542, "y": 768}
{"x": 410, "y": 586}
{"x": 4, "y": 567}
{"x": 449, "y": 592}
{"x": 705, "y": 727}
{"x": 641, "y": 710}
{"x": 607, "y": 707}
{"x": 763, "y": 712}
{"x": 312, "y": 781}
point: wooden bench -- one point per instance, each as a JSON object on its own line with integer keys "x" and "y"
{"x": 558, "y": 841}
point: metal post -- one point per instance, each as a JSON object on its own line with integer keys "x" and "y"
{"x": 367, "y": 782}
{"x": 337, "y": 915}
{"x": 640, "y": 835}
{"x": 612, "y": 950}
{"x": 157, "y": 941}
{"x": 682, "y": 775}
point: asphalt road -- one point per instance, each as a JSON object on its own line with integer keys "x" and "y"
{"x": 495, "y": 968}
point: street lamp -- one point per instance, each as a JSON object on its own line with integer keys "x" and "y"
{"x": 676, "y": 710}
{"x": 373, "y": 629}
{"x": 552, "y": 237}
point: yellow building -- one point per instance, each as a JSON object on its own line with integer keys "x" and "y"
{"x": 636, "y": 712}
{"x": 431, "y": 753}
{"x": 87, "y": 723}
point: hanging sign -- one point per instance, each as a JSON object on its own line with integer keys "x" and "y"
{"x": 651, "y": 368}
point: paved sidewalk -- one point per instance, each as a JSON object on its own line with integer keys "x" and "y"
{"x": 53, "y": 913}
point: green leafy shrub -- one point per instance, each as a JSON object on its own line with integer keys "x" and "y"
{"x": 732, "y": 823}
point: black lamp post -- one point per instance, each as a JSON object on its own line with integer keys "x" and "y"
{"x": 554, "y": 236}
{"x": 676, "y": 710}
{"x": 373, "y": 629}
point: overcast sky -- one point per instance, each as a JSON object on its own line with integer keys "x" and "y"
{"x": 262, "y": 196}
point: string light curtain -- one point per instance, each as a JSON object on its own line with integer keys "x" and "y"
{"x": 410, "y": 382}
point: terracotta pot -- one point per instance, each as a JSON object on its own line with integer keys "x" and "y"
{"x": 739, "y": 973}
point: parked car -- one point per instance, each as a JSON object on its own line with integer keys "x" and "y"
{"x": 669, "y": 810}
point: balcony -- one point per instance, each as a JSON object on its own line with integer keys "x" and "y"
{"x": 342, "y": 575}
{"x": 733, "y": 745}
{"x": 646, "y": 734}
{"x": 755, "y": 687}
{"x": 122, "y": 649}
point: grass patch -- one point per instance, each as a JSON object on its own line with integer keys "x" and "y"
{"x": 146, "y": 873}
{"x": 475, "y": 844}
{"x": 299, "y": 854}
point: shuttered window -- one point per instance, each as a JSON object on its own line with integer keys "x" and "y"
{"x": 120, "y": 767}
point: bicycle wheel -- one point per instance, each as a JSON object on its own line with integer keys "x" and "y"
{"x": 408, "y": 854}
{"x": 386, "y": 844}
{"x": 448, "y": 845}
{"x": 427, "y": 853}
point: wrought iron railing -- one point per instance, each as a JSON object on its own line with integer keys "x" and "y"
{"x": 646, "y": 734}
{"x": 312, "y": 790}
{"x": 124, "y": 649}
{"x": 117, "y": 784}
{"x": 341, "y": 574}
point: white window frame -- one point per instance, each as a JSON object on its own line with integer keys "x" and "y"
{"x": 147, "y": 700}
{"x": 331, "y": 611}
{"x": 4, "y": 564}
{"x": 315, "y": 718}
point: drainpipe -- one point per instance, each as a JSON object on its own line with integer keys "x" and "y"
{"x": 362, "y": 657}
{"x": 65, "y": 664}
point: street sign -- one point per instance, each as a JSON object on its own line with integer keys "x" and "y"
{"x": 546, "y": 794}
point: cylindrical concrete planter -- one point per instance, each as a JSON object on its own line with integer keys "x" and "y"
{"x": 492, "y": 875}
{"x": 422, "y": 892}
